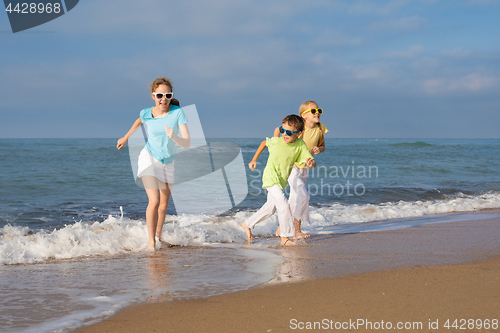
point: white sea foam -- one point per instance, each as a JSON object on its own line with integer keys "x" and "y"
{"x": 340, "y": 214}
{"x": 121, "y": 235}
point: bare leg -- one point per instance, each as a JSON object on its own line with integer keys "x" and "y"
{"x": 162, "y": 208}
{"x": 152, "y": 215}
{"x": 153, "y": 192}
{"x": 298, "y": 233}
{"x": 247, "y": 231}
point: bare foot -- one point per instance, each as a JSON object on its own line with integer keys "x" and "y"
{"x": 287, "y": 242}
{"x": 248, "y": 231}
{"x": 164, "y": 242}
{"x": 300, "y": 235}
{"x": 151, "y": 246}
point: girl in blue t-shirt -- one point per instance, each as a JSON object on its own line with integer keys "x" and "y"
{"x": 156, "y": 161}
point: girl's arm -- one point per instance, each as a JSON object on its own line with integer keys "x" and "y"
{"x": 277, "y": 131}
{"x": 185, "y": 141}
{"x": 253, "y": 164}
{"x": 121, "y": 142}
{"x": 318, "y": 149}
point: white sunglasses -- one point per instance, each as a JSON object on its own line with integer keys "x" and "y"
{"x": 160, "y": 95}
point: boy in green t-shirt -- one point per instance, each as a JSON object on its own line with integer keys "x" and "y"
{"x": 284, "y": 152}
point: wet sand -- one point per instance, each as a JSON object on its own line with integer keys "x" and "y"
{"x": 418, "y": 277}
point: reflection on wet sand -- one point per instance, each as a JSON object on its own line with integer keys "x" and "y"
{"x": 159, "y": 275}
{"x": 298, "y": 264}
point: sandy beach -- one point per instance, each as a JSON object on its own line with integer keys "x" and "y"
{"x": 431, "y": 278}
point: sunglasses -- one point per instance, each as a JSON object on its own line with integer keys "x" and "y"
{"x": 167, "y": 95}
{"x": 287, "y": 132}
{"x": 313, "y": 111}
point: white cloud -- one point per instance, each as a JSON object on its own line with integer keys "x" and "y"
{"x": 255, "y": 56}
{"x": 408, "y": 23}
{"x": 181, "y": 19}
{"x": 376, "y": 7}
{"x": 482, "y": 2}
{"x": 265, "y": 67}
{"x": 457, "y": 53}
{"x": 367, "y": 73}
{"x": 331, "y": 37}
{"x": 53, "y": 81}
{"x": 374, "y": 75}
{"x": 411, "y": 52}
{"x": 425, "y": 63}
{"x": 474, "y": 82}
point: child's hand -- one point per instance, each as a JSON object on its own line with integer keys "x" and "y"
{"x": 169, "y": 131}
{"x": 315, "y": 150}
{"x": 311, "y": 163}
{"x": 252, "y": 165}
{"x": 121, "y": 142}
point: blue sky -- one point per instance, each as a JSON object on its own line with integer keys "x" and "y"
{"x": 393, "y": 69}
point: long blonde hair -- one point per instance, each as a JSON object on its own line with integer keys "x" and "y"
{"x": 304, "y": 106}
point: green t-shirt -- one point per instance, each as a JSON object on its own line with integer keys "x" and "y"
{"x": 282, "y": 157}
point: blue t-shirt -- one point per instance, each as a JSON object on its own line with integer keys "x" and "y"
{"x": 159, "y": 145}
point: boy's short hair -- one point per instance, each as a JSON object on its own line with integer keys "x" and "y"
{"x": 295, "y": 121}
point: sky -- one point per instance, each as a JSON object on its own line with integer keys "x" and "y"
{"x": 379, "y": 69}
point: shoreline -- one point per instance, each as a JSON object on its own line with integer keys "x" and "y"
{"x": 421, "y": 274}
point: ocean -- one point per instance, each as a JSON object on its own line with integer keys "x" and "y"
{"x": 73, "y": 232}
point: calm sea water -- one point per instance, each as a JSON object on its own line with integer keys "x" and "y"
{"x": 72, "y": 205}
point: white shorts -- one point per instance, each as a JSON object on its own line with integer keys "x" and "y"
{"x": 149, "y": 166}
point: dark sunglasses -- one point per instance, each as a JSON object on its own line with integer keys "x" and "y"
{"x": 287, "y": 132}
{"x": 167, "y": 95}
{"x": 313, "y": 111}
